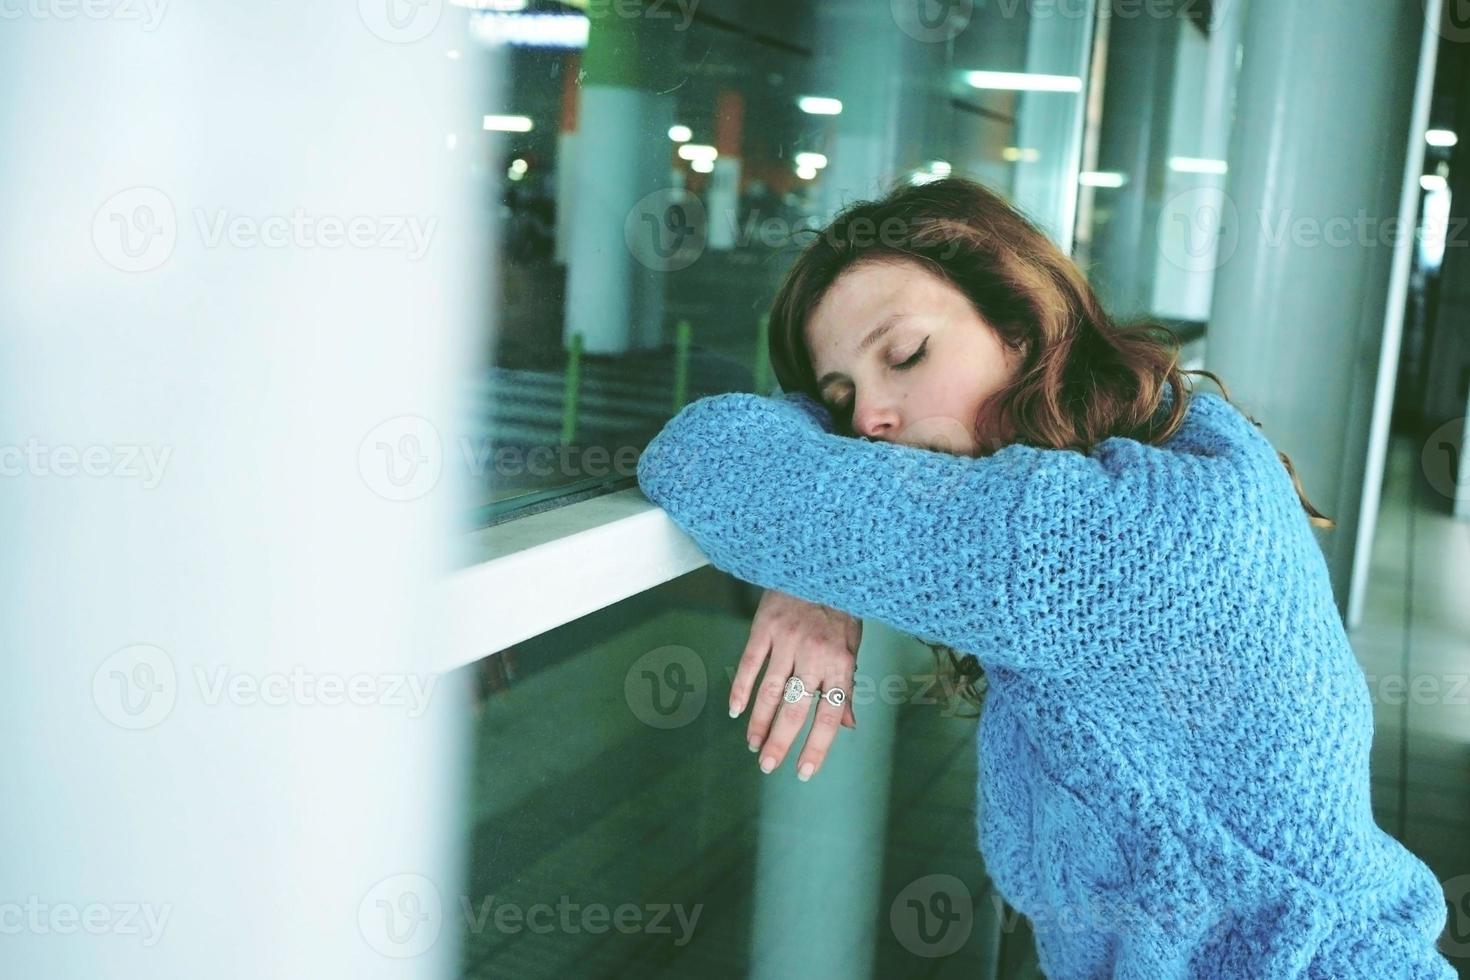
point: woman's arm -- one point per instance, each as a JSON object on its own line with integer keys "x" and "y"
{"x": 1006, "y": 556}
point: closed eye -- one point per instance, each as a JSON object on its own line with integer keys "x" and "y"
{"x": 912, "y": 359}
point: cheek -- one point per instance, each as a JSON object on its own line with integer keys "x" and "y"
{"x": 943, "y": 402}
{"x": 953, "y": 392}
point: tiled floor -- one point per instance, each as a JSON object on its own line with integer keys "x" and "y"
{"x": 1414, "y": 645}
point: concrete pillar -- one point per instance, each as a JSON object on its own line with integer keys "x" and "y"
{"x": 625, "y": 217}
{"x": 1316, "y": 163}
{"x": 826, "y": 838}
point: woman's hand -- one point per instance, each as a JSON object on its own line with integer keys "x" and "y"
{"x": 814, "y": 642}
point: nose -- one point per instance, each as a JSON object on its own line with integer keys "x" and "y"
{"x": 874, "y": 421}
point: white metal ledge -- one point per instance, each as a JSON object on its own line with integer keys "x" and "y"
{"x": 557, "y": 566}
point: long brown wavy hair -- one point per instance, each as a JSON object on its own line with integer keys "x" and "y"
{"x": 1083, "y": 378}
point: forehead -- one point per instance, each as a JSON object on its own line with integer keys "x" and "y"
{"x": 858, "y": 301}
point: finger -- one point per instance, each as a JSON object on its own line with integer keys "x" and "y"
{"x": 790, "y": 717}
{"x": 766, "y": 701}
{"x": 824, "y": 726}
{"x": 757, "y": 647}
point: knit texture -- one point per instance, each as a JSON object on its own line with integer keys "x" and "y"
{"x": 1173, "y": 748}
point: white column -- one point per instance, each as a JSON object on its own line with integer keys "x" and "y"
{"x": 1297, "y": 326}
{"x": 826, "y": 837}
{"x": 241, "y": 281}
{"x": 628, "y": 230}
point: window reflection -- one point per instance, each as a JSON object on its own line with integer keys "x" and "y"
{"x": 1150, "y": 228}
{"x": 659, "y": 168}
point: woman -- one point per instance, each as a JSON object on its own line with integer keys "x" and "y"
{"x": 1174, "y": 745}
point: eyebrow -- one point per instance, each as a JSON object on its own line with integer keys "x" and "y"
{"x": 874, "y": 335}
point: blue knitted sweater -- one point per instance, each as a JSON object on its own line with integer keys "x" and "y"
{"x": 1173, "y": 747}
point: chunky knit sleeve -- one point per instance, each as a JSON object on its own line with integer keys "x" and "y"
{"x": 1012, "y": 556}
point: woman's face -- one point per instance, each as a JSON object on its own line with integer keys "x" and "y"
{"x": 907, "y": 355}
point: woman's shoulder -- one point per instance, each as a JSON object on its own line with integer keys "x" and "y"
{"x": 1216, "y": 426}
{"x": 1253, "y": 472}
{"x": 1216, "y": 457}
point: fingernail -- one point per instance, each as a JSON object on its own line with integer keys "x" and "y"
{"x": 755, "y": 745}
{"x": 805, "y": 772}
{"x": 767, "y": 764}
{"x": 734, "y": 711}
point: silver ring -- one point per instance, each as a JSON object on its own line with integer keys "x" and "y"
{"x": 796, "y": 690}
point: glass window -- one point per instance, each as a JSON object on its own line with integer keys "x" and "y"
{"x": 661, "y": 165}
{"x": 619, "y": 825}
{"x": 1151, "y": 194}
